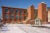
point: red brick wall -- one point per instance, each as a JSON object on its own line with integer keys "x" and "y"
{"x": 31, "y": 12}
{"x": 42, "y": 12}
{"x": 9, "y": 20}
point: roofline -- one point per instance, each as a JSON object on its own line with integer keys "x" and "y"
{"x": 13, "y": 7}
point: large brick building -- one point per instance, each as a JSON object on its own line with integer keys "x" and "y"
{"x": 20, "y": 15}
{"x": 13, "y": 14}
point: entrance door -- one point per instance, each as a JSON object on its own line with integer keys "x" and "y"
{"x": 37, "y": 22}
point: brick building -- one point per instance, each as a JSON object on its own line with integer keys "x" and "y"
{"x": 20, "y": 15}
{"x": 15, "y": 15}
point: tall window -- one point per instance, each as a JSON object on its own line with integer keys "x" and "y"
{"x": 20, "y": 17}
{"x": 24, "y": 17}
{"x": 24, "y": 11}
{"x": 20, "y": 12}
{"x": 12, "y": 10}
{"x": 12, "y": 16}
{"x": 16, "y": 16}
{"x": 6, "y": 16}
{"x": 6, "y": 9}
{"x": 37, "y": 20}
{"x": 16, "y": 11}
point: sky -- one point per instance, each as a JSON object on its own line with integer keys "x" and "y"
{"x": 21, "y": 3}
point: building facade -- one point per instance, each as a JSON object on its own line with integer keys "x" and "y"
{"x": 18, "y": 15}
{"x": 13, "y": 14}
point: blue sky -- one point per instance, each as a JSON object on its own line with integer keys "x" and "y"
{"x": 21, "y": 3}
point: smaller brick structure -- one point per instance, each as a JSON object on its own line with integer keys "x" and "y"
{"x": 42, "y": 13}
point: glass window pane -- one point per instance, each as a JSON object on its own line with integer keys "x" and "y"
{"x": 16, "y": 10}
{"x": 12, "y": 10}
{"x": 12, "y": 17}
{"x": 20, "y": 17}
{"x": 24, "y": 17}
{"x": 24, "y": 11}
{"x": 21, "y": 12}
{"x": 16, "y": 16}
{"x": 6, "y": 16}
{"x": 37, "y": 20}
{"x": 6, "y": 9}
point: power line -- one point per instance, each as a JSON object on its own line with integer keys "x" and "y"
{"x": 30, "y": 1}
